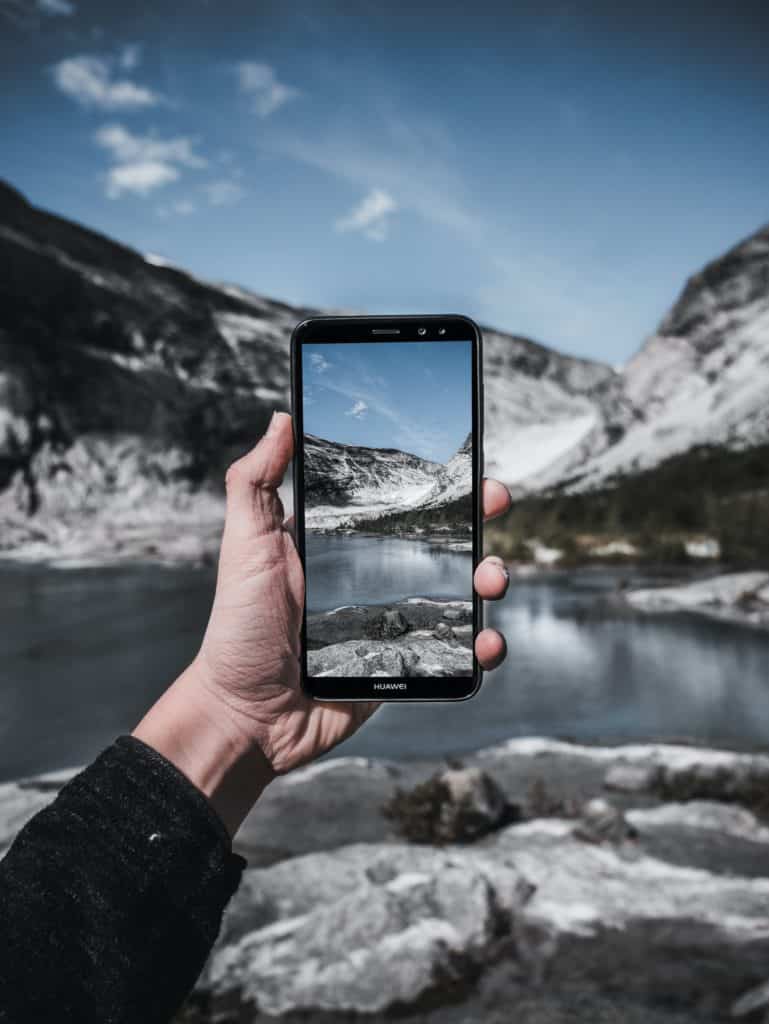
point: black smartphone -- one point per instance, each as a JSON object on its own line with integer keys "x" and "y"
{"x": 387, "y": 500}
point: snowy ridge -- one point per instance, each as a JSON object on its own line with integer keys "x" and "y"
{"x": 703, "y": 378}
{"x": 345, "y": 484}
{"x": 109, "y": 357}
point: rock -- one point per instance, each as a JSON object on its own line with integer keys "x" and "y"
{"x": 369, "y": 927}
{"x": 370, "y": 946}
{"x": 393, "y": 624}
{"x": 731, "y": 596}
{"x": 452, "y": 613}
{"x": 357, "y": 659}
{"x": 443, "y": 631}
{"x": 633, "y": 778}
{"x": 755, "y": 999}
{"x": 715, "y": 816}
{"x": 378, "y": 622}
{"x": 455, "y": 806}
{"x": 601, "y": 822}
{"x": 744, "y": 781}
{"x": 405, "y": 656}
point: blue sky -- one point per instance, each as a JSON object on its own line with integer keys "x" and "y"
{"x": 552, "y": 168}
{"x": 415, "y": 396}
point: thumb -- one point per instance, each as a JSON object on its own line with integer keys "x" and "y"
{"x": 252, "y": 482}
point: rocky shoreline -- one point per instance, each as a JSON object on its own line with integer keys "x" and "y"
{"x": 739, "y": 597}
{"x": 562, "y": 883}
{"x": 418, "y": 636}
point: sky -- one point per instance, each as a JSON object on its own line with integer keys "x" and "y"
{"x": 414, "y": 396}
{"x": 552, "y": 169}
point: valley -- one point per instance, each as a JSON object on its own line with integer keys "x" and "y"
{"x": 127, "y": 386}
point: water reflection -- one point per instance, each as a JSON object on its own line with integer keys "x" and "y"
{"x": 371, "y": 570}
{"x": 83, "y": 653}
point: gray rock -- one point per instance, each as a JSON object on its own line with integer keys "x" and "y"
{"x": 633, "y": 778}
{"x": 476, "y": 803}
{"x": 370, "y": 946}
{"x": 601, "y": 822}
{"x": 443, "y": 631}
{"x": 452, "y": 613}
{"x": 364, "y": 927}
{"x": 394, "y": 623}
{"x": 406, "y": 656}
{"x": 455, "y": 806}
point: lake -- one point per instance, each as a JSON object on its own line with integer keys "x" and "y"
{"x": 83, "y": 653}
{"x": 375, "y": 570}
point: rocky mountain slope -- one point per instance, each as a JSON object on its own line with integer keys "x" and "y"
{"x": 345, "y": 484}
{"x": 546, "y": 412}
{"x": 703, "y": 377}
{"x": 126, "y": 385}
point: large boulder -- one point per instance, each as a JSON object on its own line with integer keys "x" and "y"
{"x": 401, "y": 926}
{"x": 454, "y": 806}
{"x": 392, "y": 624}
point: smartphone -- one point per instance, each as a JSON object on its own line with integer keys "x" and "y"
{"x": 387, "y": 500}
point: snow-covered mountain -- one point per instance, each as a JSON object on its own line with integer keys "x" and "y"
{"x": 345, "y": 484}
{"x": 546, "y": 412}
{"x": 126, "y": 385}
{"x": 703, "y": 377}
{"x": 454, "y": 480}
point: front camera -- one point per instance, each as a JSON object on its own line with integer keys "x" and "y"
{"x": 421, "y": 331}
{"x": 441, "y": 330}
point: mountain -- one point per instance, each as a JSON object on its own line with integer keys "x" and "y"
{"x": 344, "y": 483}
{"x": 127, "y": 384}
{"x": 349, "y": 484}
{"x": 454, "y": 480}
{"x": 546, "y": 412}
{"x": 702, "y": 379}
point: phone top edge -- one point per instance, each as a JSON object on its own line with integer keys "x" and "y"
{"x": 342, "y": 329}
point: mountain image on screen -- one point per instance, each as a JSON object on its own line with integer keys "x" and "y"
{"x": 388, "y": 529}
{"x": 350, "y": 486}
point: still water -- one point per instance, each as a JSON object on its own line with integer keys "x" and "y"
{"x": 375, "y": 570}
{"x": 83, "y": 652}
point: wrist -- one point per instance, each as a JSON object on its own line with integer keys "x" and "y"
{"x": 201, "y": 736}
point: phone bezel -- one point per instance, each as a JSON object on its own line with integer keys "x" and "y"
{"x": 348, "y": 329}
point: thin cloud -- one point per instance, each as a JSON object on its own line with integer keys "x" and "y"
{"x": 143, "y": 163}
{"x": 371, "y": 217}
{"x": 89, "y": 81}
{"x": 407, "y": 435}
{"x": 319, "y": 363}
{"x": 417, "y": 166}
{"x": 56, "y": 8}
{"x": 261, "y": 84}
{"x": 180, "y": 208}
{"x": 223, "y": 192}
{"x": 141, "y": 177}
{"x": 358, "y": 410}
{"x": 130, "y": 56}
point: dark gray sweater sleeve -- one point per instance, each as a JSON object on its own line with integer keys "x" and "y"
{"x": 111, "y": 897}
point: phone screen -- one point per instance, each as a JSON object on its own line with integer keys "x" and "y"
{"x": 387, "y": 473}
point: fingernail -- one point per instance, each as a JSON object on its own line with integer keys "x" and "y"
{"x": 272, "y": 424}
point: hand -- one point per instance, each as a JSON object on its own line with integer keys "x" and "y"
{"x": 245, "y": 682}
